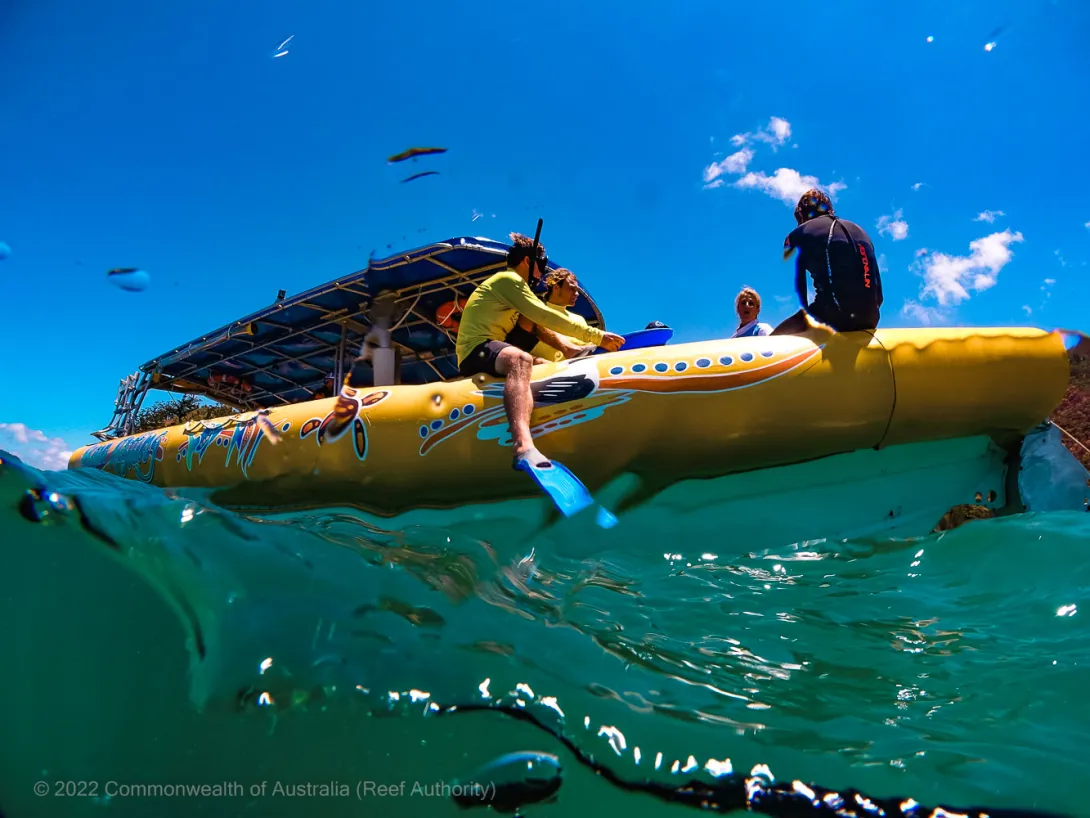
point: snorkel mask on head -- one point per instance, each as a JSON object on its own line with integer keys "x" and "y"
{"x": 536, "y": 251}
{"x": 538, "y": 285}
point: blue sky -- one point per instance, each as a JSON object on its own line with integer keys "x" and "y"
{"x": 663, "y": 147}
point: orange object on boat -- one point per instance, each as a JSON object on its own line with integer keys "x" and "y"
{"x": 228, "y": 380}
{"x": 449, "y": 314}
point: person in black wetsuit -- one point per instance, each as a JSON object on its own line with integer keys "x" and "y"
{"x": 840, "y": 258}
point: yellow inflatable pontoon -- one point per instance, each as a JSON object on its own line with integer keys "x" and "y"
{"x": 424, "y": 437}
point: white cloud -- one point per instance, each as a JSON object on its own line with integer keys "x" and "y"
{"x": 786, "y": 184}
{"x": 735, "y": 163}
{"x": 1087, "y": 225}
{"x": 893, "y": 226}
{"x": 988, "y": 216}
{"x": 918, "y": 185}
{"x": 1060, "y": 258}
{"x": 33, "y": 447}
{"x": 882, "y": 262}
{"x": 951, "y": 279}
{"x": 1046, "y": 294}
{"x": 775, "y": 133}
{"x": 927, "y": 316}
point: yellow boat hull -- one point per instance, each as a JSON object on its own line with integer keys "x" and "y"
{"x": 665, "y": 413}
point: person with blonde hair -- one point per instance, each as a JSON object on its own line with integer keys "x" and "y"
{"x": 748, "y": 306}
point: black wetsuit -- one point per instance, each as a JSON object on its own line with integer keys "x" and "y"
{"x": 839, "y": 256}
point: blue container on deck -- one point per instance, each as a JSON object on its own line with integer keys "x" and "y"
{"x": 644, "y": 338}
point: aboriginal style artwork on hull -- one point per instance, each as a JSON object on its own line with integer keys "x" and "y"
{"x": 580, "y": 392}
{"x": 239, "y": 435}
{"x": 138, "y": 453}
{"x": 346, "y": 415}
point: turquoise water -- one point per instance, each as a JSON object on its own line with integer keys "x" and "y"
{"x": 154, "y": 638}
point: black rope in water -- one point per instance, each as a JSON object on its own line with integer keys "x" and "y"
{"x": 735, "y": 792}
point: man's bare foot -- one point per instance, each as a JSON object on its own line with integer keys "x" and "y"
{"x": 532, "y": 457}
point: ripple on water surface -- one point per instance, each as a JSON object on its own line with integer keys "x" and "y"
{"x": 948, "y": 668}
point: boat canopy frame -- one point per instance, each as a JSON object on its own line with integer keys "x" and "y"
{"x": 282, "y": 354}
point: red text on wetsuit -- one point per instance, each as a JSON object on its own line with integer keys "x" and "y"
{"x": 866, "y": 268}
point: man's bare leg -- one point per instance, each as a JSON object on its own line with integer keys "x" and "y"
{"x": 516, "y": 365}
{"x": 792, "y": 325}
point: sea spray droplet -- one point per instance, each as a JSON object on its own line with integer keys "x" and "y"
{"x": 130, "y": 279}
{"x": 44, "y": 506}
{"x": 510, "y": 782}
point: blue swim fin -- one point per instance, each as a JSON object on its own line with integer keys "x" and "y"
{"x": 564, "y": 488}
{"x": 1075, "y": 341}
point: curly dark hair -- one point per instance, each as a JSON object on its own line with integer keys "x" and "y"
{"x": 520, "y": 249}
{"x": 813, "y": 203}
{"x": 561, "y": 275}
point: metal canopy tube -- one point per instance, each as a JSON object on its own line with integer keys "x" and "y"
{"x": 350, "y": 306}
{"x": 383, "y": 356}
{"x": 338, "y": 361}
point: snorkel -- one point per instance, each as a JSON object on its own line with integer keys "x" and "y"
{"x": 537, "y": 285}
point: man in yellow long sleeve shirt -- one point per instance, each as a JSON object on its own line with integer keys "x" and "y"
{"x": 490, "y": 318}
